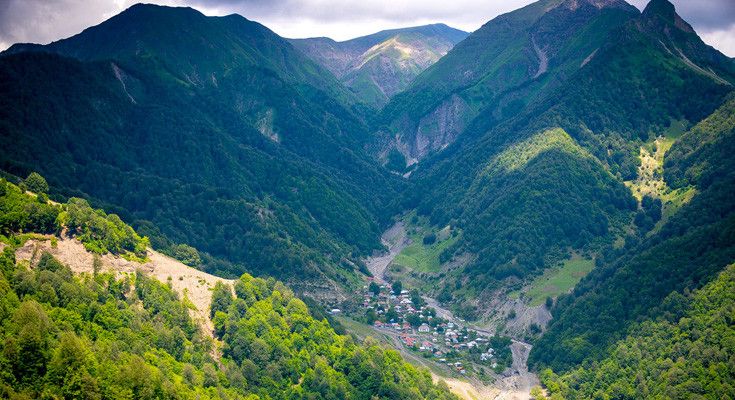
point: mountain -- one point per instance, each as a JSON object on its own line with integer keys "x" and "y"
{"x": 376, "y": 67}
{"x": 511, "y": 61}
{"x": 208, "y": 131}
{"x": 532, "y": 188}
{"x": 639, "y": 280}
{"x": 175, "y": 43}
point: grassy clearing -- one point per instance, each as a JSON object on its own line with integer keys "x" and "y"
{"x": 650, "y": 174}
{"x": 675, "y": 199}
{"x": 421, "y": 257}
{"x": 558, "y": 280}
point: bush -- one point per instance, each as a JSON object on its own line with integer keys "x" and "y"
{"x": 429, "y": 239}
{"x": 36, "y": 183}
{"x": 101, "y": 233}
{"x": 186, "y": 254}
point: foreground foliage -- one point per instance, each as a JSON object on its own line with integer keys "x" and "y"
{"x": 99, "y": 232}
{"x": 284, "y": 353}
{"x": 98, "y": 337}
{"x": 102, "y": 337}
{"x": 689, "y": 351}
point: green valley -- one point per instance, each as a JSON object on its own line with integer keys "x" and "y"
{"x": 195, "y": 207}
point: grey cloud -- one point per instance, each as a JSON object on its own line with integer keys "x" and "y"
{"x": 46, "y": 20}
{"x": 386, "y": 10}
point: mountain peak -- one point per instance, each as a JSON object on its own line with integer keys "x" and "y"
{"x": 663, "y": 8}
{"x": 665, "y": 11}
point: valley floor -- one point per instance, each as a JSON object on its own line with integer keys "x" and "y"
{"x": 514, "y": 384}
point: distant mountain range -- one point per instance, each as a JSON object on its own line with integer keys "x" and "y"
{"x": 377, "y": 66}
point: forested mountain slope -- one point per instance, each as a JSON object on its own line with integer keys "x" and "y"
{"x": 565, "y": 192}
{"x": 646, "y": 278}
{"x": 248, "y": 151}
{"x": 114, "y": 335}
{"x": 512, "y": 61}
{"x": 686, "y": 352}
{"x": 376, "y": 67}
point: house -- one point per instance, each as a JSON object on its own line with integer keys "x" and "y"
{"x": 424, "y": 328}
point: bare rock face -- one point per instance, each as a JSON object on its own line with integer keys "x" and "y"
{"x": 439, "y": 129}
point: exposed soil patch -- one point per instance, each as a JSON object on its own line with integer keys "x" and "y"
{"x": 190, "y": 283}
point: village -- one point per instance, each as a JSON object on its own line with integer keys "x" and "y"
{"x": 404, "y": 314}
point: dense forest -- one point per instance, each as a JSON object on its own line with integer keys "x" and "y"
{"x": 632, "y": 283}
{"x": 104, "y": 336}
{"x": 22, "y": 212}
{"x": 266, "y": 329}
{"x": 686, "y": 352}
{"x": 99, "y": 337}
{"x": 268, "y": 178}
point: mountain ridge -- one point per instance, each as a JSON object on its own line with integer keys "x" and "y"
{"x": 269, "y": 141}
{"x": 377, "y": 66}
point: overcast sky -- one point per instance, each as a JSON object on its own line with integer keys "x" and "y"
{"x": 43, "y": 21}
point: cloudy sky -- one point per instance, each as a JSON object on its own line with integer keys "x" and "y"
{"x": 42, "y": 21}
